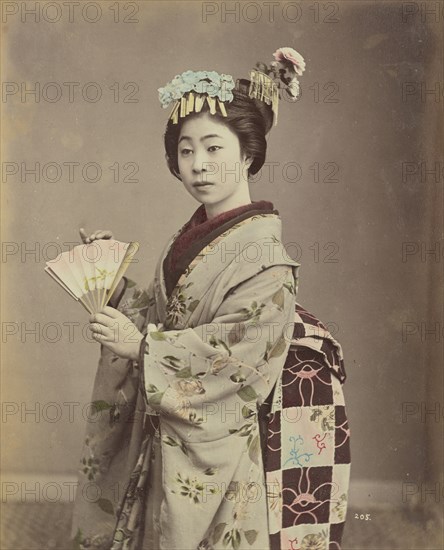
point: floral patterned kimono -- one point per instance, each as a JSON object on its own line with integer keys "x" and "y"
{"x": 175, "y": 456}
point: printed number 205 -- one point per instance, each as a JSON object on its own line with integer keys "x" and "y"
{"x": 365, "y": 517}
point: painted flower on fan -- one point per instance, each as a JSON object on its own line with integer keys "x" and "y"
{"x": 289, "y": 56}
{"x": 201, "y": 82}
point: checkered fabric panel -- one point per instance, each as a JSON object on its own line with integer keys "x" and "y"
{"x": 307, "y": 448}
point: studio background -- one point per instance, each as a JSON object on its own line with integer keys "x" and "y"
{"x": 352, "y": 181}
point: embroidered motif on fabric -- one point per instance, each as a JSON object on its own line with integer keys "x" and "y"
{"x": 295, "y": 453}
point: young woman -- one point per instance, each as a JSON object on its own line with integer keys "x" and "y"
{"x": 193, "y": 446}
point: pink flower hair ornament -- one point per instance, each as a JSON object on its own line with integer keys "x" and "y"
{"x": 291, "y": 58}
{"x": 288, "y": 63}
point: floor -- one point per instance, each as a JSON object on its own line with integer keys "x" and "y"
{"x": 46, "y": 526}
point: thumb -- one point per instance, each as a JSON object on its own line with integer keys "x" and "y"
{"x": 83, "y": 235}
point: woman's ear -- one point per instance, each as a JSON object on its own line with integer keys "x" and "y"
{"x": 172, "y": 169}
{"x": 248, "y": 161}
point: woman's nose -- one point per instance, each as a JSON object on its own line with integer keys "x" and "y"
{"x": 200, "y": 163}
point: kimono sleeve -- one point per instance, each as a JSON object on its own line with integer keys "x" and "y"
{"x": 113, "y": 433}
{"x": 137, "y": 303}
{"x": 116, "y": 382}
{"x": 206, "y": 379}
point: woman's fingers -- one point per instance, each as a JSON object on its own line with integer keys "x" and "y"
{"x": 105, "y": 314}
{"x": 98, "y": 234}
{"x": 96, "y": 328}
{"x": 110, "y": 312}
{"x": 105, "y": 234}
{"x": 101, "y": 319}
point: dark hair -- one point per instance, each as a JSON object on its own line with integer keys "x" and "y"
{"x": 250, "y": 119}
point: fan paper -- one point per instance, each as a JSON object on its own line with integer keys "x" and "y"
{"x": 90, "y": 273}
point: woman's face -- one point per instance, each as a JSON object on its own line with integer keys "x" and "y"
{"x": 209, "y": 152}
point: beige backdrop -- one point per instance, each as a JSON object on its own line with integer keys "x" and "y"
{"x": 359, "y": 198}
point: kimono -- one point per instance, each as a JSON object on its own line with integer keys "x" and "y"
{"x": 187, "y": 447}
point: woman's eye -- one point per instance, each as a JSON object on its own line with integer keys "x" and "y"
{"x": 185, "y": 151}
{"x": 215, "y": 146}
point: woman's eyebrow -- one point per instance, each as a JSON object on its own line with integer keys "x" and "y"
{"x": 202, "y": 138}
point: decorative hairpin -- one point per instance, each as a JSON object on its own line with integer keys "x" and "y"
{"x": 190, "y": 90}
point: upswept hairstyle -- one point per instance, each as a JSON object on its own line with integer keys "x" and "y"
{"x": 249, "y": 118}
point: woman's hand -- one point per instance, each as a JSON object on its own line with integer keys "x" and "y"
{"x": 116, "y": 332}
{"x": 99, "y": 234}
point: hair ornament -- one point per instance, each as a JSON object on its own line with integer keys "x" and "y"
{"x": 289, "y": 63}
{"x": 264, "y": 88}
{"x": 192, "y": 89}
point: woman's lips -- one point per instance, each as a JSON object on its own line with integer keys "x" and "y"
{"x": 201, "y": 185}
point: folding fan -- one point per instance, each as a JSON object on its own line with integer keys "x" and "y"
{"x": 91, "y": 272}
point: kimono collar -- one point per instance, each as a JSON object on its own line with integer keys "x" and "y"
{"x": 199, "y": 225}
{"x": 200, "y": 215}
